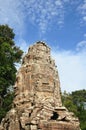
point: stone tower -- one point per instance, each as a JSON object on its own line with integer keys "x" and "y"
{"x": 37, "y": 103}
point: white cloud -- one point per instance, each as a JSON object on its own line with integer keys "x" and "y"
{"x": 82, "y": 10}
{"x": 84, "y": 18}
{"x": 81, "y": 46}
{"x": 11, "y": 14}
{"x": 85, "y": 35}
{"x": 23, "y": 45}
{"x": 72, "y": 69}
{"x": 40, "y": 13}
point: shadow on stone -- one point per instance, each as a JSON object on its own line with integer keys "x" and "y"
{"x": 55, "y": 116}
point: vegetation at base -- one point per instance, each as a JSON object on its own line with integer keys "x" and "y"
{"x": 9, "y": 55}
{"x": 76, "y": 102}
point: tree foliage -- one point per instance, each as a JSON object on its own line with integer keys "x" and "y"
{"x": 9, "y": 55}
{"x": 76, "y": 102}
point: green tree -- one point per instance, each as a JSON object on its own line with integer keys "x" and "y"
{"x": 9, "y": 55}
{"x": 75, "y": 102}
{"x": 79, "y": 99}
{"x": 67, "y": 100}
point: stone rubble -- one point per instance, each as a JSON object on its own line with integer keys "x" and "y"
{"x": 37, "y": 103}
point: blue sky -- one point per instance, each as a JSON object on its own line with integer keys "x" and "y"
{"x": 59, "y": 23}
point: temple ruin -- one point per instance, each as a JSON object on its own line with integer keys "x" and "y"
{"x": 37, "y": 103}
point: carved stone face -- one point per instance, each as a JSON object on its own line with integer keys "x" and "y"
{"x": 42, "y": 82}
{"x": 38, "y": 75}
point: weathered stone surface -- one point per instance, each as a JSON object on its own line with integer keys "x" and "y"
{"x": 37, "y": 104}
